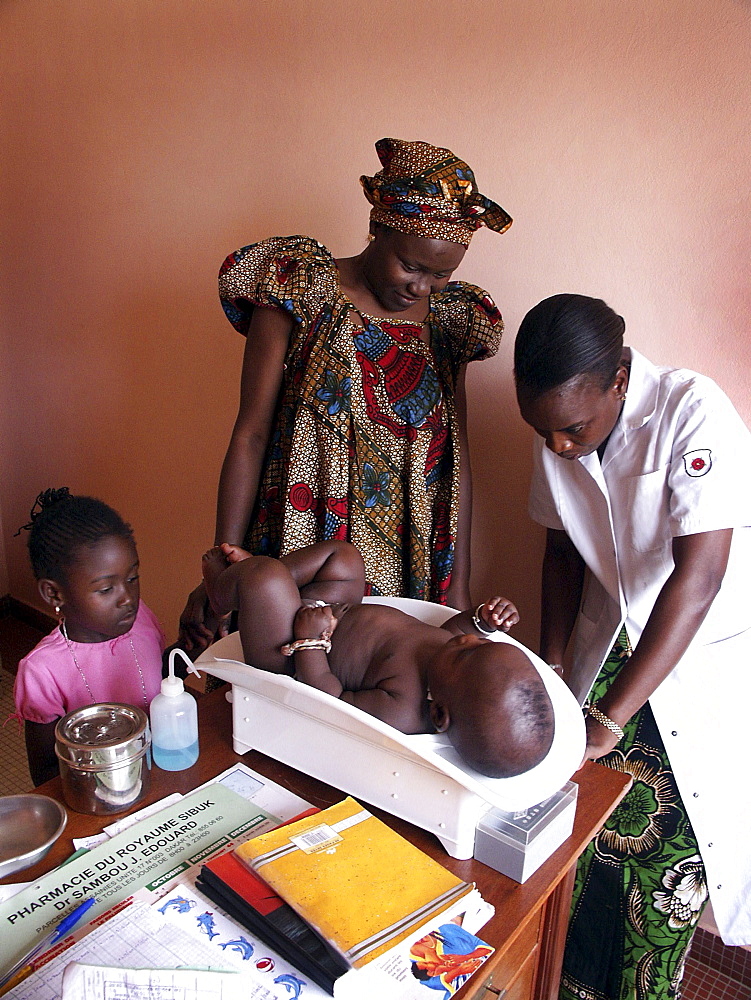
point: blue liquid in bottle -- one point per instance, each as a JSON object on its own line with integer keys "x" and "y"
{"x": 175, "y": 759}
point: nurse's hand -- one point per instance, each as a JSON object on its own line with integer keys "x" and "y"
{"x": 600, "y": 741}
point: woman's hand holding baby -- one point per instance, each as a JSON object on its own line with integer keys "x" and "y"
{"x": 199, "y": 625}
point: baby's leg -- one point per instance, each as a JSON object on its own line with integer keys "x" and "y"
{"x": 329, "y": 571}
{"x": 264, "y": 594}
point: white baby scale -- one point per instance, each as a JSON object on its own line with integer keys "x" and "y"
{"x": 418, "y": 778}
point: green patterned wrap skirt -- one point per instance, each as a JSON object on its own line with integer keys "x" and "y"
{"x": 640, "y": 885}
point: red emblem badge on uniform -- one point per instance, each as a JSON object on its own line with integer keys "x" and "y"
{"x": 698, "y": 463}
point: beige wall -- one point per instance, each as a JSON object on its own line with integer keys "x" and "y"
{"x": 143, "y": 141}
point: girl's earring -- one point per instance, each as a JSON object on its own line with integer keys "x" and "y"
{"x": 371, "y": 237}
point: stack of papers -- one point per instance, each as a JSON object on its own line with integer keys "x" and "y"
{"x": 170, "y": 940}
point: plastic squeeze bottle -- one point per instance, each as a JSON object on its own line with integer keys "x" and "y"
{"x": 174, "y": 723}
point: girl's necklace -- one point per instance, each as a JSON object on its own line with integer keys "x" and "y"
{"x": 83, "y": 675}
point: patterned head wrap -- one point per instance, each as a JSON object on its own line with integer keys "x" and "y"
{"x": 427, "y": 191}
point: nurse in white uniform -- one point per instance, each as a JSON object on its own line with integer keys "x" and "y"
{"x": 642, "y": 478}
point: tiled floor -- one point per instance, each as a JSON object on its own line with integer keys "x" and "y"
{"x": 702, "y": 982}
{"x": 713, "y": 972}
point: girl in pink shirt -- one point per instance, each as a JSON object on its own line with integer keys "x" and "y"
{"x": 108, "y": 645}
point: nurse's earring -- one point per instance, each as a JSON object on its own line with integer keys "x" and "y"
{"x": 621, "y": 384}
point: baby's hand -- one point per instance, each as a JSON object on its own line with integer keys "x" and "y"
{"x": 499, "y": 613}
{"x": 315, "y": 621}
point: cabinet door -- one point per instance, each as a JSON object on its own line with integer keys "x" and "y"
{"x": 512, "y": 976}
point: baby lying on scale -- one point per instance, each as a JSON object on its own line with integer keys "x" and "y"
{"x": 303, "y": 614}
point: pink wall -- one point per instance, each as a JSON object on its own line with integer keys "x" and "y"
{"x": 144, "y": 141}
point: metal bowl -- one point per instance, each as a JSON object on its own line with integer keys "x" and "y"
{"x": 29, "y": 826}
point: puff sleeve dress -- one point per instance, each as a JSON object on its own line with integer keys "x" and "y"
{"x": 365, "y": 441}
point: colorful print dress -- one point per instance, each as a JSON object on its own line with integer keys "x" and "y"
{"x": 365, "y": 442}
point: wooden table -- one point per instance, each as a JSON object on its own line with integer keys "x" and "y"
{"x": 529, "y": 927}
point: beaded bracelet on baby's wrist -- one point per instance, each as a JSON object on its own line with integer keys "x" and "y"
{"x": 603, "y": 719}
{"x": 292, "y": 647}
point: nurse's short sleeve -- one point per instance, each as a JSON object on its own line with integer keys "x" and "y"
{"x": 36, "y": 693}
{"x": 278, "y": 273}
{"x": 710, "y": 469}
{"x": 470, "y": 321}
{"x": 542, "y": 507}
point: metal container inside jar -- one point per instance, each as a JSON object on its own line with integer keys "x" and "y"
{"x": 105, "y": 757}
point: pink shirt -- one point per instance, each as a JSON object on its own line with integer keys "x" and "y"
{"x": 49, "y": 685}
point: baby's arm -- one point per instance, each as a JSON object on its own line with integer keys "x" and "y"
{"x": 40, "y": 750}
{"x": 499, "y": 613}
{"x": 496, "y": 614}
{"x": 312, "y": 665}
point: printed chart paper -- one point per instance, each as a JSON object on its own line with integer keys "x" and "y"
{"x": 150, "y": 854}
{"x": 93, "y": 982}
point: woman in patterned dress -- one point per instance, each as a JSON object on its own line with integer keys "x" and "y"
{"x": 643, "y": 481}
{"x": 352, "y": 420}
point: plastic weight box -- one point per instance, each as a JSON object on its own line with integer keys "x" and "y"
{"x": 517, "y": 843}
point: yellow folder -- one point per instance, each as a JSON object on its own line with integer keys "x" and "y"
{"x": 351, "y": 877}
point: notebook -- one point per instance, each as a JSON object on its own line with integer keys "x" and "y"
{"x": 359, "y": 884}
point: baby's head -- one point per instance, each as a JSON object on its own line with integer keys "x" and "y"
{"x": 84, "y": 558}
{"x": 493, "y": 704}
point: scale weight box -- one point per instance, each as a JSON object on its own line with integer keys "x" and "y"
{"x": 517, "y": 843}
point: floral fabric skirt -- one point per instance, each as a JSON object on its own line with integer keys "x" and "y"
{"x": 640, "y": 885}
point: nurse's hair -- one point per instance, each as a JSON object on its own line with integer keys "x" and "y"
{"x": 567, "y": 337}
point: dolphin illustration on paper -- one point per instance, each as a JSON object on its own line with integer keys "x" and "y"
{"x": 206, "y": 924}
{"x": 179, "y": 903}
{"x": 241, "y": 945}
{"x": 292, "y": 983}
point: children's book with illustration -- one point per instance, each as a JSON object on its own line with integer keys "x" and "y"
{"x": 353, "y": 879}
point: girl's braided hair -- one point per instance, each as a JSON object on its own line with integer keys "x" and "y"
{"x": 60, "y": 524}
